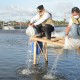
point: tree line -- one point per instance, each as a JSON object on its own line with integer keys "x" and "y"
{"x": 26, "y": 23}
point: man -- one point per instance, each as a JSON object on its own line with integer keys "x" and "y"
{"x": 43, "y": 22}
{"x": 74, "y": 23}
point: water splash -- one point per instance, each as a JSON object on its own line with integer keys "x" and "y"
{"x": 71, "y": 43}
{"x": 52, "y": 73}
{"x": 29, "y": 59}
{"x": 25, "y": 71}
{"x": 49, "y": 76}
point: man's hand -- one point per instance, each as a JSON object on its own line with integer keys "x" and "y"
{"x": 32, "y": 24}
{"x": 67, "y": 36}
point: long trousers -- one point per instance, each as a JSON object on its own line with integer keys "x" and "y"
{"x": 47, "y": 29}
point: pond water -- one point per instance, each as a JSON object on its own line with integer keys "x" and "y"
{"x": 13, "y": 52}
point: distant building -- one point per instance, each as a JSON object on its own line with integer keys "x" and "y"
{"x": 7, "y": 26}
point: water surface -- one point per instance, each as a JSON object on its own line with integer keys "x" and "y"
{"x": 13, "y": 52}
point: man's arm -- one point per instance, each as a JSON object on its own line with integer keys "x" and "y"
{"x": 68, "y": 30}
{"x": 35, "y": 18}
{"x": 68, "y": 27}
{"x": 44, "y": 18}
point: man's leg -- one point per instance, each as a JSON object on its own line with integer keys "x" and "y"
{"x": 39, "y": 28}
{"x": 48, "y": 29}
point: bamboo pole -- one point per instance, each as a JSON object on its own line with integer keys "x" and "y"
{"x": 56, "y": 39}
{"x": 61, "y": 41}
{"x": 35, "y": 43}
{"x": 47, "y": 41}
{"x": 46, "y": 52}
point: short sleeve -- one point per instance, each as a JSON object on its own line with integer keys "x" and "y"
{"x": 70, "y": 22}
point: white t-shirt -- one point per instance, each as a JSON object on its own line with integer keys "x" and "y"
{"x": 37, "y": 20}
{"x": 70, "y": 22}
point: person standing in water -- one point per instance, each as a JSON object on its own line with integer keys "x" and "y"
{"x": 43, "y": 22}
{"x": 74, "y": 23}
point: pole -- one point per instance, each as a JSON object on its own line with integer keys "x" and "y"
{"x": 35, "y": 43}
{"x": 46, "y": 52}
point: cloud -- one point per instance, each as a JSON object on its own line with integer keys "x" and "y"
{"x": 16, "y": 12}
{"x": 58, "y": 9}
{"x": 64, "y": 7}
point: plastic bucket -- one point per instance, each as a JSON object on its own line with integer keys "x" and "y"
{"x": 38, "y": 48}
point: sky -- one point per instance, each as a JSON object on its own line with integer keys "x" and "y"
{"x": 22, "y": 10}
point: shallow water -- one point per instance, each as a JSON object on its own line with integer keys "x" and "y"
{"x": 13, "y": 52}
